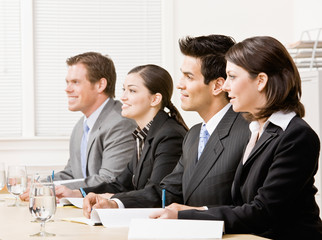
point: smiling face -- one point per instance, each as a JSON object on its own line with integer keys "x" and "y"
{"x": 82, "y": 94}
{"x": 246, "y": 93}
{"x": 195, "y": 94}
{"x": 137, "y": 100}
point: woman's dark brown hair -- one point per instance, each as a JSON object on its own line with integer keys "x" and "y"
{"x": 158, "y": 80}
{"x": 267, "y": 55}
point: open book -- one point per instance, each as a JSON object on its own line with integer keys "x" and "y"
{"x": 114, "y": 217}
{"x": 77, "y": 202}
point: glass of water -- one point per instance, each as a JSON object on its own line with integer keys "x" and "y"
{"x": 42, "y": 205}
{"x": 16, "y": 181}
{"x": 2, "y": 176}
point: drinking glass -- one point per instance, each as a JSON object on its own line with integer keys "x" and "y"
{"x": 40, "y": 177}
{"x": 2, "y": 176}
{"x": 42, "y": 205}
{"x": 16, "y": 181}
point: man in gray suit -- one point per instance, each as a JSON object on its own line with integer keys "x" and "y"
{"x": 203, "y": 176}
{"x": 108, "y": 141}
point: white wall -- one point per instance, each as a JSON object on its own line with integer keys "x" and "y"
{"x": 284, "y": 20}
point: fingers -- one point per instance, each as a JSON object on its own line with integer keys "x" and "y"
{"x": 156, "y": 214}
{"x": 60, "y": 189}
{"x": 166, "y": 213}
{"x": 25, "y": 196}
{"x": 88, "y": 203}
{"x": 175, "y": 206}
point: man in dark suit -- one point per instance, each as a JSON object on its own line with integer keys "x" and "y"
{"x": 199, "y": 179}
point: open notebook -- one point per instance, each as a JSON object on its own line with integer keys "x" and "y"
{"x": 77, "y": 202}
{"x": 114, "y": 217}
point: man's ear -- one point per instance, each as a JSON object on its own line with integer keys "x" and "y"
{"x": 101, "y": 85}
{"x": 156, "y": 99}
{"x": 217, "y": 85}
{"x": 262, "y": 79}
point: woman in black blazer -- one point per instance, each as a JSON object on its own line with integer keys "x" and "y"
{"x": 273, "y": 190}
{"x": 147, "y": 92}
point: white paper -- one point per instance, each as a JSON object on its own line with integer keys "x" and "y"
{"x": 175, "y": 229}
{"x": 82, "y": 220}
{"x": 60, "y": 182}
{"x": 120, "y": 217}
{"x": 114, "y": 217}
{"x": 77, "y": 202}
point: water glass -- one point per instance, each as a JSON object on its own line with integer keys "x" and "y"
{"x": 2, "y": 176}
{"x": 16, "y": 181}
{"x": 42, "y": 205}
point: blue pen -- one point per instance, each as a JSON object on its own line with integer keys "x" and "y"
{"x": 82, "y": 192}
{"x": 163, "y": 198}
{"x": 53, "y": 175}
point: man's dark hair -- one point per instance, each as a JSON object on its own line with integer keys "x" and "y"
{"x": 211, "y": 51}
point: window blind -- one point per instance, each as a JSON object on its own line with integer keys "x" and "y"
{"x": 10, "y": 69}
{"x": 129, "y": 31}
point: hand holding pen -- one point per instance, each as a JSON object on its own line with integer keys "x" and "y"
{"x": 93, "y": 200}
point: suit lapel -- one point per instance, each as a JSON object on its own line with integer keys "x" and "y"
{"x": 98, "y": 123}
{"x": 211, "y": 153}
{"x": 269, "y": 134}
{"x": 77, "y": 139}
{"x": 191, "y": 153}
{"x": 156, "y": 125}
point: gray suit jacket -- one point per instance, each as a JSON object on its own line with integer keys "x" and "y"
{"x": 206, "y": 182}
{"x": 109, "y": 148}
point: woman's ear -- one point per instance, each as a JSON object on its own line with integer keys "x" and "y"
{"x": 101, "y": 85}
{"x": 156, "y": 99}
{"x": 262, "y": 79}
{"x": 217, "y": 85}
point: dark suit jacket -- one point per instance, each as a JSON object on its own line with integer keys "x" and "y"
{"x": 273, "y": 191}
{"x": 109, "y": 144}
{"x": 207, "y": 182}
{"x": 160, "y": 154}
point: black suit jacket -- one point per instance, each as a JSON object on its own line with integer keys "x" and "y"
{"x": 273, "y": 191}
{"x": 160, "y": 154}
{"x": 206, "y": 182}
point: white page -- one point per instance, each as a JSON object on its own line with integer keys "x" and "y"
{"x": 120, "y": 217}
{"x": 60, "y": 182}
{"x": 113, "y": 217}
{"x": 82, "y": 220}
{"x": 77, "y": 202}
{"x": 175, "y": 229}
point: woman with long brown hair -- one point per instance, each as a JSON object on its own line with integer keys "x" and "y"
{"x": 147, "y": 92}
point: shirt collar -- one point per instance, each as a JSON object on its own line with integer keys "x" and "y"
{"x": 141, "y": 134}
{"x": 93, "y": 117}
{"x": 280, "y": 119}
{"x": 213, "y": 122}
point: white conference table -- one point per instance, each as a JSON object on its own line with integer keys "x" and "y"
{"x": 16, "y": 224}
